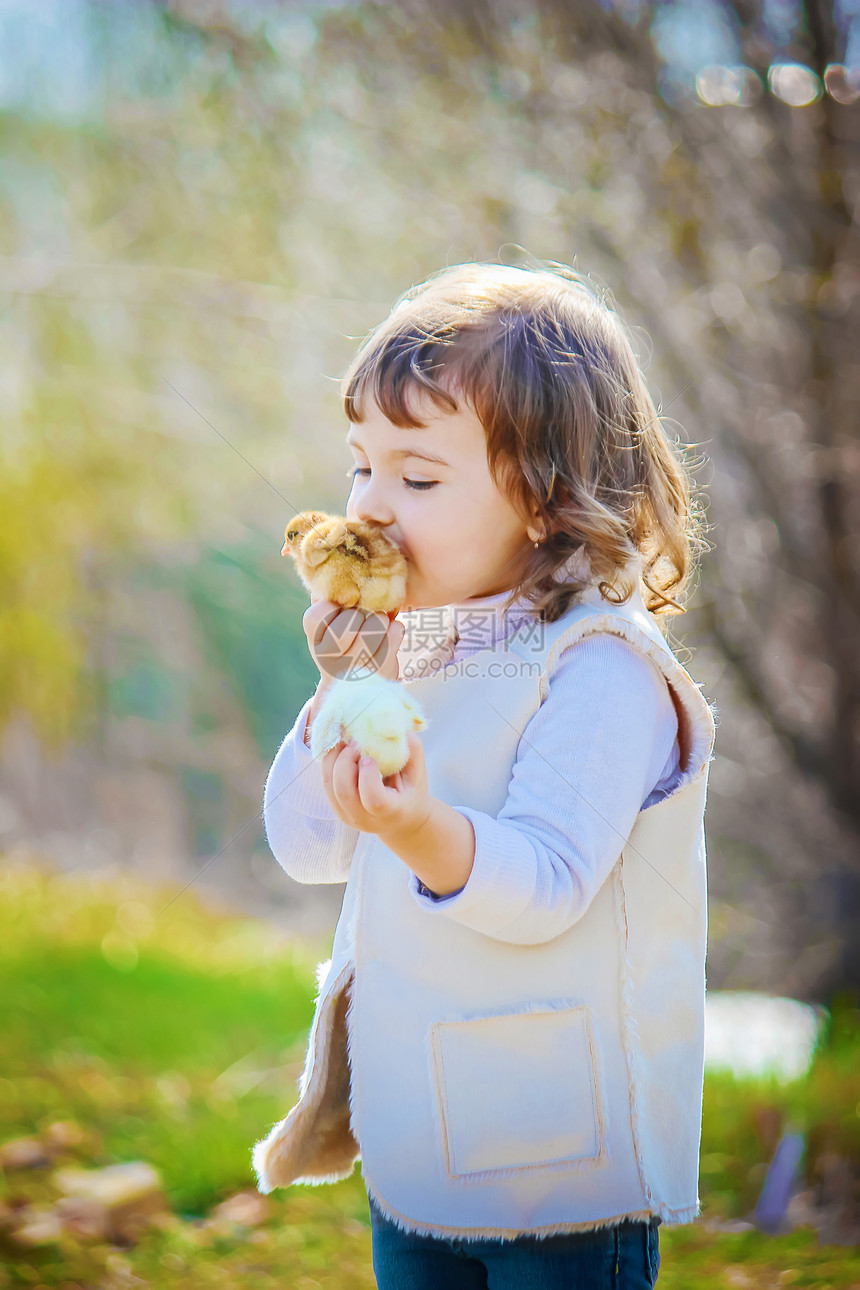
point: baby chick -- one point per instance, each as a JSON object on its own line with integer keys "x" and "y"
{"x": 375, "y": 712}
{"x": 348, "y": 562}
{"x": 355, "y": 564}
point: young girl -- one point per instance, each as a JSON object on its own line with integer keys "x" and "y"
{"x": 510, "y": 1029}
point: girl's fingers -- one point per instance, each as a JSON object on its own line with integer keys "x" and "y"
{"x": 342, "y": 631}
{"x": 336, "y": 632}
{"x": 332, "y": 771}
{"x": 371, "y": 789}
{"x": 385, "y": 656}
{"x": 374, "y": 636}
{"x": 356, "y": 786}
{"x": 345, "y": 777}
{"x": 416, "y": 751}
{"x": 327, "y": 767}
{"x": 349, "y": 633}
{"x": 315, "y": 624}
{"x": 318, "y": 615}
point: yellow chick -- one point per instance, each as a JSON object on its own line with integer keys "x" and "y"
{"x": 354, "y": 564}
{"x": 375, "y": 712}
{"x": 349, "y": 562}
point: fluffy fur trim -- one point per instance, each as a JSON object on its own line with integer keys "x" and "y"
{"x": 668, "y": 1216}
{"x": 314, "y": 1143}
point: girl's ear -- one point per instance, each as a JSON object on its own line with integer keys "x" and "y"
{"x": 536, "y": 531}
{"x": 535, "y": 527}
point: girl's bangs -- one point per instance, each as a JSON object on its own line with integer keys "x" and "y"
{"x": 397, "y": 372}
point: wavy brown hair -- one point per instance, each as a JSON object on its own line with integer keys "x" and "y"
{"x": 546, "y": 364}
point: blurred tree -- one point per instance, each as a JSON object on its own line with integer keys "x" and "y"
{"x": 756, "y": 197}
{"x": 74, "y": 501}
{"x": 204, "y": 206}
{"x": 748, "y": 193}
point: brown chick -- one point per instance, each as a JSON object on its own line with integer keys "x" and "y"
{"x": 349, "y": 562}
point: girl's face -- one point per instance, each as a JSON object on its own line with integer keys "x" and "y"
{"x": 460, "y": 535}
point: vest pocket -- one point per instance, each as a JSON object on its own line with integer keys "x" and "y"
{"x": 518, "y": 1090}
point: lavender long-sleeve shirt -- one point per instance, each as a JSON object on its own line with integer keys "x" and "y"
{"x": 603, "y": 744}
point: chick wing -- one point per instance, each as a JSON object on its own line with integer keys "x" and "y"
{"x": 350, "y": 562}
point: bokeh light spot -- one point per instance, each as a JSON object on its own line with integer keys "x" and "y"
{"x": 842, "y": 83}
{"x": 794, "y": 83}
{"x": 719, "y": 86}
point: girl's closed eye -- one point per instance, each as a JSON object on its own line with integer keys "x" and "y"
{"x": 418, "y": 484}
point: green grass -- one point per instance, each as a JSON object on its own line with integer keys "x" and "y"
{"x": 743, "y": 1119}
{"x": 174, "y": 1035}
{"x": 143, "y": 1061}
{"x": 150, "y": 1030}
{"x": 694, "y": 1258}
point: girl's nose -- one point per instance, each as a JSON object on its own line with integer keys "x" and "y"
{"x": 372, "y": 515}
{"x": 371, "y": 507}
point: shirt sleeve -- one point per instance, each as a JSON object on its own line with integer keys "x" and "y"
{"x": 306, "y": 838}
{"x": 603, "y": 738}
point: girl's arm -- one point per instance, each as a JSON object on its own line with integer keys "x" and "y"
{"x": 307, "y": 839}
{"x": 601, "y": 744}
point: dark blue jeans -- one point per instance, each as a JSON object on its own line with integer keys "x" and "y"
{"x": 623, "y": 1257}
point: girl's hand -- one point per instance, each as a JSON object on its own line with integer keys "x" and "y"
{"x": 338, "y": 638}
{"x": 361, "y": 798}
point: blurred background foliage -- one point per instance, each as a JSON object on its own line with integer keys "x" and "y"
{"x": 204, "y": 205}
{"x": 143, "y": 1027}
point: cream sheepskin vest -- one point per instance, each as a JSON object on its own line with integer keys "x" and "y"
{"x": 497, "y": 1089}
